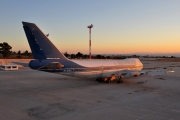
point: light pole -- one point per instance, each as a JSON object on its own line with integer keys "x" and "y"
{"x": 90, "y": 26}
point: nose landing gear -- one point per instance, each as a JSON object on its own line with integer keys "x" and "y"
{"x": 119, "y": 79}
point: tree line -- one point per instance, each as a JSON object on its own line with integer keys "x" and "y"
{"x": 80, "y": 55}
{"x": 6, "y": 52}
{"x": 5, "y": 49}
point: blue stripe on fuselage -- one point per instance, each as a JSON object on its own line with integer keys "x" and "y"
{"x": 35, "y": 64}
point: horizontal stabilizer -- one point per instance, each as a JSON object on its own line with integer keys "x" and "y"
{"x": 52, "y": 66}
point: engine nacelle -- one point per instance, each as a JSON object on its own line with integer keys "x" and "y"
{"x": 135, "y": 74}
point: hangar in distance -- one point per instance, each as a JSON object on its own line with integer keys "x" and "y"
{"x": 48, "y": 58}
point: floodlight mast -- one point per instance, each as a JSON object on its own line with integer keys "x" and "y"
{"x": 90, "y": 26}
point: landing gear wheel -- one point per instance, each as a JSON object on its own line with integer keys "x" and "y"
{"x": 108, "y": 80}
{"x": 120, "y": 80}
{"x": 99, "y": 79}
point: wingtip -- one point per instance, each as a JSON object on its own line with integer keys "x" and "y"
{"x": 171, "y": 71}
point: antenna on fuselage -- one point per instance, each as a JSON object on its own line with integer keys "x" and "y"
{"x": 47, "y": 35}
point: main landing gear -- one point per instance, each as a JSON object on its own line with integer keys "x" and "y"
{"x": 119, "y": 79}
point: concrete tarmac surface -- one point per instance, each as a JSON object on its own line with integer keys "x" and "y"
{"x": 34, "y": 95}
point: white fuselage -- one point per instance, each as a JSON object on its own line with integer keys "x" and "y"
{"x": 104, "y": 68}
{"x": 102, "y": 62}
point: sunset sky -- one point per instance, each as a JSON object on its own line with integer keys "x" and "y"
{"x": 120, "y": 26}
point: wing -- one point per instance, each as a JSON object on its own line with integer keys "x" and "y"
{"x": 145, "y": 72}
{"x": 156, "y": 72}
{"x": 22, "y": 64}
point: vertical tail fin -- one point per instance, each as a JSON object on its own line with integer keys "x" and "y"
{"x": 40, "y": 45}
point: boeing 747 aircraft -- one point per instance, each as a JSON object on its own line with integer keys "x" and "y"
{"x": 48, "y": 58}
